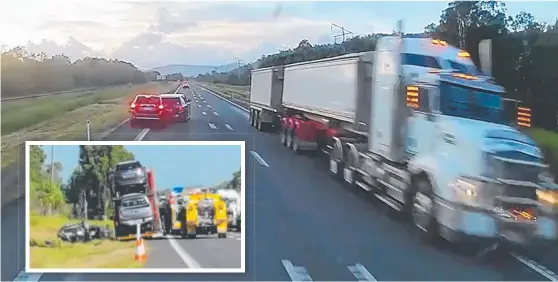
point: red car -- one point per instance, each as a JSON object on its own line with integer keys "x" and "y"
{"x": 177, "y": 108}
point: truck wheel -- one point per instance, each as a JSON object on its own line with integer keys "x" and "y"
{"x": 260, "y": 125}
{"x": 423, "y": 209}
{"x": 289, "y": 139}
{"x": 284, "y": 137}
{"x": 252, "y": 118}
{"x": 334, "y": 166}
{"x": 295, "y": 143}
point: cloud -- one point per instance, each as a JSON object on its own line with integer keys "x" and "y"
{"x": 154, "y": 33}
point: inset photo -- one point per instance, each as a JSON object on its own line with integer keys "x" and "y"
{"x": 135, "y": 206}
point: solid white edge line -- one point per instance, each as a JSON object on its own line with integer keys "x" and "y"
{"x": 259, "y": 158}
{"x": 296, "y": 273}
{"x": 228, "y": 127}
{"x": 218, "y": 96}
{"x": 547, "y": 273}
{"x": 361, "y": 273}
{"x": 186, "y": 258}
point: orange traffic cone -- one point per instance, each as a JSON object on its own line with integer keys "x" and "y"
{"x": 140, "y": 250}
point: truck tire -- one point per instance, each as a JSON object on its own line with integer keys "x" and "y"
{"x": 289, "y": 138}
{"x": 423, "y": 208}
{"x": 283, "y": 136}
{"x": 260, "y": 126}
{"x": 295, "y": 146}
{"x": 252, "y": 117}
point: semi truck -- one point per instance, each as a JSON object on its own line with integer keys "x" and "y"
{"x": 417, "y": 126}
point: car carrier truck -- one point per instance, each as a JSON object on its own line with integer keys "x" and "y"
{"x": 132, "y": 208}
{"x": 415, "y": 124}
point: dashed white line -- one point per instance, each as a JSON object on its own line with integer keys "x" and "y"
{"x": 361, "y": 273}
{"x": 216, "y": 113}
{"x": 203, "y": 101}
{"x": 212, "y": 126}
{"x": 547, "y": 273}
{"x": 204, "y": 113}
{"x": 209, "y": 106}
{"x": 142, "y": 134}
{"x": 24, "y": 276}
{"x": 199, "y": 106}
{"x": 228, "y": 127}
{"x": 187, "y": 258}
{"x": 296, "y": 273}
{"x": 259, "y": 159}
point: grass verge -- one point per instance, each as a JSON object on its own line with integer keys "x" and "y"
{"x": 62, "y": 117}
{"x": 240, "y": 94}
{"x": 94, "y": 254}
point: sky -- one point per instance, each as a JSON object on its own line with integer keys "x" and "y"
{"x": 151, "y": 33}
{"x": 174, "y": 166}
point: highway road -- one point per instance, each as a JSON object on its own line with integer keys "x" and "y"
{"x": 302, "y": 225}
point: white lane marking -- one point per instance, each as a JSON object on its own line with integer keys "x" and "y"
{"x": 187, "y": 258}
{"x": 142, "y": 134}
{"x": 216, "y": 113}
{"x": 212, "y": 126}
{"x": 540, "y": 269}
{"x": 209, "y": 106}
{"x": 24, "y": 276}
{"x": 296, "y": 273}
{"x": 259, "y": 158}
{"x": 361, "y": 273}
{"x": 228, "y": 127}
{"x": 203, "y": 101}
{"x": 199, "y": 106}
{"x": 204, "y": 113}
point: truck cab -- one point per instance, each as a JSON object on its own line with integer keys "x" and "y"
{"x": 447, "y": 155}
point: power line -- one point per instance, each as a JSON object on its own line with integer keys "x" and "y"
{"x": 343, "y": 34}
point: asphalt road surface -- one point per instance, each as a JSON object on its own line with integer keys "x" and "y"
{"x": 303, "y": 225}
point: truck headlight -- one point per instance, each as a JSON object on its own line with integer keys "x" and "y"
{"x": 469, "y": 192}
{"x": 465, "y": 187}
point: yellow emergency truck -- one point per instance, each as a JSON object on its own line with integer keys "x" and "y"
{"x": 206, "y": 213}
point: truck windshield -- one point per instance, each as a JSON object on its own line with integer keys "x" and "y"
{"x": 478, "y": 104}
{"x": 466, "y": 69}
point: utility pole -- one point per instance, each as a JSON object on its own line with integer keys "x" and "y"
{"x": 238, "y": 61}
{"x": 344, "y": 33}
{"x": 52, "y": 165}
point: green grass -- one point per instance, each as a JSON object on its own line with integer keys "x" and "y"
{"x": 241, "y": 93}
{"x": 62, "y": 117}
{"x": 94, "y": 254}
{"x": 548, "y": 142}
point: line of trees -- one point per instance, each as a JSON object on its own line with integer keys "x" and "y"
{"x": 87, "y": 193}
{"x": 525, "y": 52}
{"x": 24, "y": 73}
{"x": 234, "y": 183}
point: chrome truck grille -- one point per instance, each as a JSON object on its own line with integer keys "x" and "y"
{"x": 514, "y": 193}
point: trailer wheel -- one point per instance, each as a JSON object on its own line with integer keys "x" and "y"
{"x": 423, "y": 208}
{"x": 289, "y": 138}
{"x": 252, "y": 118}
{"x": 259, "y": 124}
{"x": 334, "y": 166}
{"x": 283, "y": 137}
{"x": 295, "y": 146}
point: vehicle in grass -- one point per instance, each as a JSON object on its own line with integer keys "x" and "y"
{"x": 129, "y": 177}
{"x": 133, "y": 207}
{"x": 232, "y": 198}
{"x": 83, "y": 232}
{"x": 205, "y": 213}
{"x": 415, "y": 126}
{"x": 177, "y": 106}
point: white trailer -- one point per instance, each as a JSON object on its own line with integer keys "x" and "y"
{"x": 266, "y": 92}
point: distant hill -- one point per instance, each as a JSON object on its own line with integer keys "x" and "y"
{"x": 194, "y": 70}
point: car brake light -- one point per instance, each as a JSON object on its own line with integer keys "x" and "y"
{"x": 161, "y": 107}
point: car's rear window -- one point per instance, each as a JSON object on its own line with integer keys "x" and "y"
{"x": 171, "y": 101}
{"x": 148, "y": 100}
{"x": 134, "y": 202}
{"x": 128, "y": 166}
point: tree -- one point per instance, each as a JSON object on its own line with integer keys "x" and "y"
{"x": 89, "y": 185}
{"x": 46, "y": 195}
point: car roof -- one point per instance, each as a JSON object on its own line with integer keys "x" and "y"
{"x": 128, "y": 162}
{"x": 170, "y": 95}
